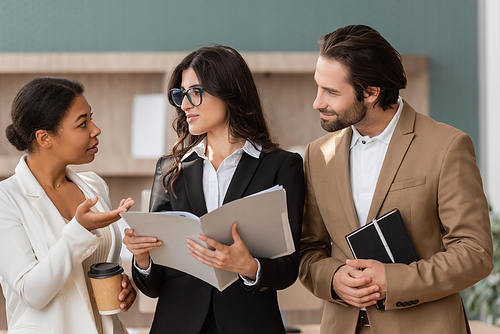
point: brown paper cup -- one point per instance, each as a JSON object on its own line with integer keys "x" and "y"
{"x": 106, "y": 281}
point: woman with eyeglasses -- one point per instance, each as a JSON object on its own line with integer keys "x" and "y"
{"x": 224, "y": 152}
{"x": 55, "y": 223}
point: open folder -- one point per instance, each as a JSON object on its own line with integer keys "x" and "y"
{"x": 262, "y": 224}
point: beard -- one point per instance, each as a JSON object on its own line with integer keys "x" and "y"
{"x": 346, "y": 117}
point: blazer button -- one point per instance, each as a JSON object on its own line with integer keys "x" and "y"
{"x": 63, "y": 298}
{"x": 405, "y": 304}
{"x": 415, "y": 301}
{"x": 398, "y": 304}
{"x": 410, "y": 302}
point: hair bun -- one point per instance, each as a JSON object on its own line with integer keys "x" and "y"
{"x": 15, "y": 139}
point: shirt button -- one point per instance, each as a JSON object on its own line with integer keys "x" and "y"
{"x": 63, "y": 298}
{"x": 363, "y": 142}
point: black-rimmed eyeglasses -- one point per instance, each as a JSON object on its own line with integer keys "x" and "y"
{"x": 194, "y": 96}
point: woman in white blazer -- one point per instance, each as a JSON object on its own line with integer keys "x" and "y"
{"x": 55, "y": 223}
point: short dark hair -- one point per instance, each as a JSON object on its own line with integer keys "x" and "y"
{"x": 222, "y": 73}
{"x": 368, "y": 59}
{"x": 41, "y": 104}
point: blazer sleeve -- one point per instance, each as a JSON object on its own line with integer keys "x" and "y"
{"x": 317, "y": 266}
{"x": 160, "y": 201}
{"x": 280, "y": 273}
{"x": 467, "y": 254}
{"x": 37, "y": 280}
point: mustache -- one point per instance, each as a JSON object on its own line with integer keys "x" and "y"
{"x": 327, "y": 112}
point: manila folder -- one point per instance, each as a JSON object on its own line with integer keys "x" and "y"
{"x": 262, "y": 224}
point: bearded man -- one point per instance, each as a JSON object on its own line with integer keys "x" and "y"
{"x": 382, "y": 155}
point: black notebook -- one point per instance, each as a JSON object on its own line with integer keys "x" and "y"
{"x": 384, "y": 239}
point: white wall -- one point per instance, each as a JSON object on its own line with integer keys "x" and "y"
{"x": 489, "y": 87}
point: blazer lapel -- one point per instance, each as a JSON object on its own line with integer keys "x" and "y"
{"x": 193, "y": 181}
{"x": 42, "y": 204}
{"x": 52, "y": 219}
{"x": 242, "y": 176}
{"x": 343, "y": 178}
{"x": 50, "y": 216}
{"x": 400, "y": 142}
{"x": 87, "y": 190}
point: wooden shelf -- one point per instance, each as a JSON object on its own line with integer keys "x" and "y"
{"x": 157, "y": 62}
{"x": 161, "y": 62}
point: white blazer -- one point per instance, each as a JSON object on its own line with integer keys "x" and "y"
{"x": 41, "y": 257}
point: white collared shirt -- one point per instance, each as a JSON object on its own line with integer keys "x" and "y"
{"x": 216, "y": 182}
{"x": 366, "y": 158}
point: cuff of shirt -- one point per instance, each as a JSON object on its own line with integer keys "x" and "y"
{"x": 250, "y": 282}
{"x": 144, "y": 272}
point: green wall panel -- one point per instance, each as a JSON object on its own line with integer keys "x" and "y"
{"x": 444, "y": 30}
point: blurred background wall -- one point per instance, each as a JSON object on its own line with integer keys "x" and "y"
{"x": 444, "y": 30}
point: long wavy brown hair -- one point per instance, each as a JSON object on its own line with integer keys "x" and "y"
{"x": 222, "y": 73}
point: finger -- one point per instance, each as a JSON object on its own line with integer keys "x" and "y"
{"x": 103, "y": 216}
{"x": 359, "y": 263}
{"x": 356, "y": 273}
{"x": 124, "y": 293}
{"x": 129, "y": 300}
{"x": 125, "y": 281}
{"x": 125, "y": 287}
{"x": 235, "y": 233}
{"x": 128, "y": 201}
{"x": 204, "y": 255}
{"x": 129, "y": 232}
{"x": 87, "y": 204}
{"x": 369, "y": 299}
{"x": 364, "y": 294}
{"x": 357, "y": 296}
{"x": 194, "y": 246}
{"x": 139, "y": 251}
{"x": 143, "y": 240}
{"x": 360, "y": 302}
{"x": 99, "y": 219}
{"x": 128, "y": 204}
{"x": 353, "y": 282}
{"x": 210, "y": 241}
{"x": 142, "y": 248}
{"x": 106, "y": 216}
{"x": 208, "y": 261}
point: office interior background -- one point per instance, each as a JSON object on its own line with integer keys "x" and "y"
{"x": 120, "y": 49}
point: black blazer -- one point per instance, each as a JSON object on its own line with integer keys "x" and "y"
{"x": 184, "y": 301}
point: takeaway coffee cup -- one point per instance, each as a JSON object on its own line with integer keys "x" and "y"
{"x": 106, "y": 281}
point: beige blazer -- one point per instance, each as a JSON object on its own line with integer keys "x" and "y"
{"x": 430, "y": 175}
{"x": 41, "y": 257}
